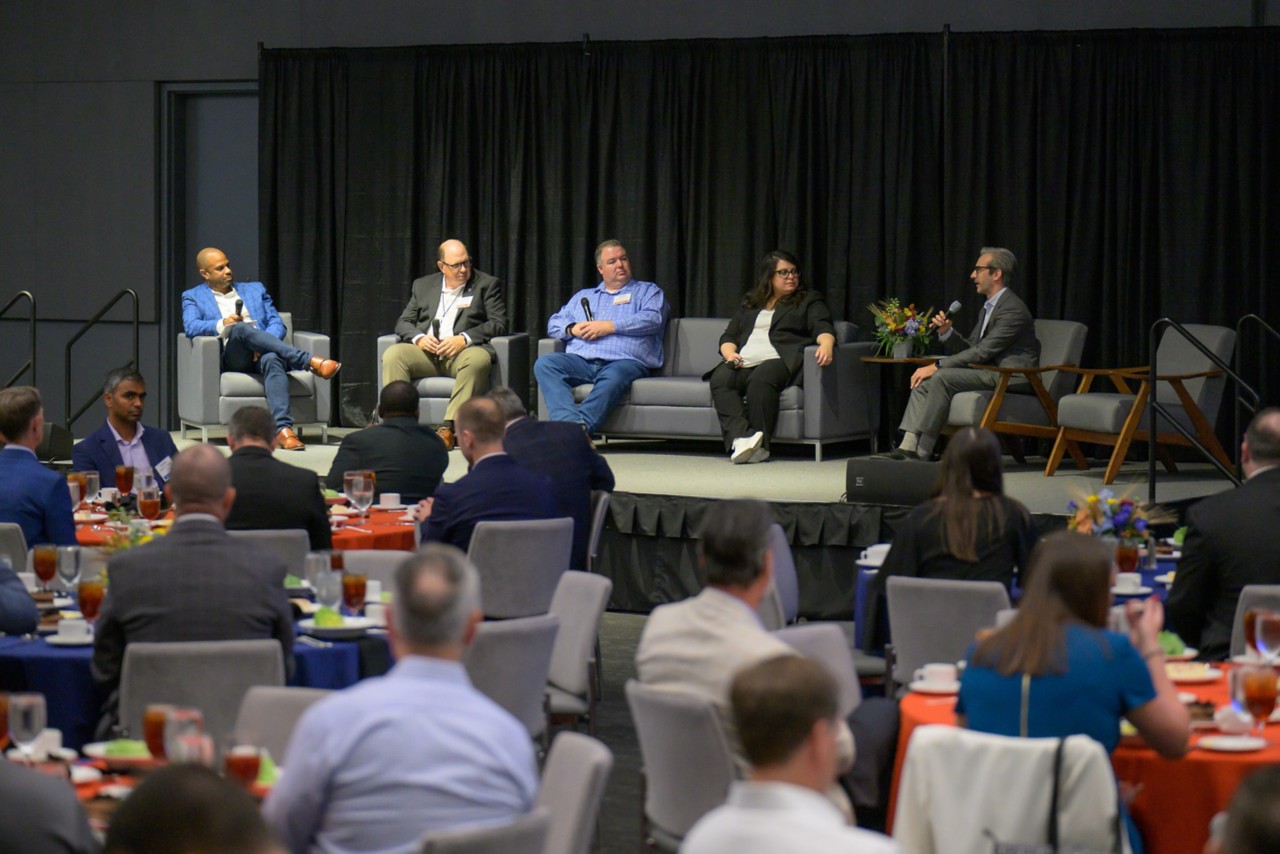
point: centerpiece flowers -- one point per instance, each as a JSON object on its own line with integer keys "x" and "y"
{"x": 1124, "y": 520}
{"x": 900, "y": 330}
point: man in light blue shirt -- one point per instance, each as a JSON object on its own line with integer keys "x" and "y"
{"x": 614, "y": 336}
{"x": 376, "y": 766}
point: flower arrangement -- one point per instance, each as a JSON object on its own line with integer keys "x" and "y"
{"x": 1106, "y": 515}
{"x": 900, "y": 328}
{"x": 132, "y": 534}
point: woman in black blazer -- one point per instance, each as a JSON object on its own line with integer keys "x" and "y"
{"x": 763, "y": 352}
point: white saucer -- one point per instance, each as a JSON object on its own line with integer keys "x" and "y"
{"x": 1187, "y": 654}
{"x": 81, "y": 774}
{"x": 1232, "y": 743}
{"x": 934, "y": 687}
{"x": 390, "y": 507}
{"x": 1209, "y": 674}
{"x": 1135, "y": 591}
{"x": 59, "y": 640}
{"x": 352, "y": 627}
{"x": 63, "y": 754}
{"x": 83, "y": 517}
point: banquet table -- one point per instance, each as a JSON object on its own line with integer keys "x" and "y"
{"x": 1176, "y": 798}
{"x": 381, "y": 529}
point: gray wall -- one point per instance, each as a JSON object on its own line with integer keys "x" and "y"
{"x": 79, "y": 108}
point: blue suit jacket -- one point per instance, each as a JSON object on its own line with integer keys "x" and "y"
{"x": 497, "y": 489}
{"x": 99, "y": 452}
{"x": 18, "y": 612}
{"x": 200, "y": 313}
{"x": 36, "y": 499}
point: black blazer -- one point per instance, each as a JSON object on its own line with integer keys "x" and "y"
{"x": 794, "y": 327}
{"x": 496, "y": 489}
{"x": 484, "y": 318}
{"x": 408, "y": 457}
{"x": 271, "y": 495}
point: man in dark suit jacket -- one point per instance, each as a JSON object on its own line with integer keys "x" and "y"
{"x": 125, "y": 394}
{"x": 1232, "y": 540}
{"x": 1005, "y": 335}
{"x": 408, "y": 457}
{"x": 271, "y": 495}
{"x": 445, "y": 330}
{"x": 560, "y": 451}
{"x": 194, "y": 584}
{"x": 35, "y": 498}
{"x": 496, "y": 489}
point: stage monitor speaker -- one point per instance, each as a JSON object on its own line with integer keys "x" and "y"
{"x": 872, "y": 480}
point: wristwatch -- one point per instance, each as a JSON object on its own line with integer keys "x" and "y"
{"x": 568, "y": 330}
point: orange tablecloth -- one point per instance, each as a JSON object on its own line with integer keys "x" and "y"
{"x": 1177, "y": 798}
{"x": 381, "y": 529}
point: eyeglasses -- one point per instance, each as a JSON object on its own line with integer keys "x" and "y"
{"x": 981, "y": 267}
{"x": 459, "y": 267}
{"x": 793, "y": 273}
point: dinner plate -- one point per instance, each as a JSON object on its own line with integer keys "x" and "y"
{"x": 1232, "y": 743}
{"x": 98, "y": 750}
{"x": 352, "y": 627}
{"x": 81, "y": 774}
{"x": 86, "y": 516}
{"x": 1167, "y": 578}
{"x": 338, "y": 510}
{"x": 59, "y": 640}
{"x": 1192, "y": 677}
{"x": 1187, "y": 654}
{"x": 922, "y": 687}
{"x": 1133, "y": 591}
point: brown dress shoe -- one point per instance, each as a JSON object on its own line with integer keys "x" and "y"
{"x": 287, "y": 440}
{"x": 324, "y": 368}
{"x": 446, "y": 436}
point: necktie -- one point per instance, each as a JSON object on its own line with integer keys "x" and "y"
{"x": 986, "y": 315}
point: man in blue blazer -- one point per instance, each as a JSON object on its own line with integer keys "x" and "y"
{"x": 496, "y": 489}
{"x": 252, "y": 333}
{"x": 123, "y": 439}
{"x": 35, "y": 498}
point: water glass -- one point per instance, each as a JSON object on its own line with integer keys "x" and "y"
{"x": 1266, "y": 630}
{"x": 26, "y": 721}
{"x": 92, "y": 483}
{"x": 181, "y": 723}
{"x": 1253, "y": 687}
{"x": 69, "y": 566}
{"x": 328, "y": 587}
{"x": 73, "y": 486}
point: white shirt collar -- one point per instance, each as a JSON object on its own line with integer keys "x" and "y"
{"x": 137, "y": 437}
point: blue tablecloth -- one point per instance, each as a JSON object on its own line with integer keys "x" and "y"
{"x": 62, "y": 674}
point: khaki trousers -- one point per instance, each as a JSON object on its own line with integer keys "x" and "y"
{"x": 469, "y": 369}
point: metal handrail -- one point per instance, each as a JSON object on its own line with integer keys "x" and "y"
{"x": 89, "y": 324}
{"x": 1239, "y": 358}
{"x": 1156, "y": 408}
{"x": 31, "y": 333}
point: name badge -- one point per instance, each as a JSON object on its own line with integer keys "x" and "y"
{"x": 622, "y": 299}
{"x": 465, "y": 302}
{"x": 163, "y": 467}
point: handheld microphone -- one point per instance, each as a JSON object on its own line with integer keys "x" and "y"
{"x": 435, "y": 328}
{"x": 586, "y": 309}
{"x": 952, "y": 310}
{"x": 239, "y": 306}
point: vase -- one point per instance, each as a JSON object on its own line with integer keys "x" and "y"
{"x": 902, "y": 349}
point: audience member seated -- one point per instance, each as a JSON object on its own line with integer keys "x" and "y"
{"x": 1073, "y": 675}
{"x": 374, "y": 767}
{"x": 194, "y": 584}
{"x": 970, "y": 530}
{"x": 407, "y": 457}
{"x": 1253, "y": 819}
{"x": 123, "y": 440}
{"x": 188, "y": 809}
{"x": 763, "y": 352}
{"x": 1232, "y": 540}
{"x": 497, "y": 487}
{"x": 35, "y": 498}
{"x": 270, "y": 494}
{"x": 40, "y": 813}
{"x": 18, "y": 612}
{"x": 562, "y": 453}
{"x": 784, "y": 710}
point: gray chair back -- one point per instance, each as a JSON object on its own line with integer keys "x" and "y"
{"x": 290, "y": 544}
{"x": 573, "y": 781}
{"x": 1266, "y": 596}
{"x": 1061, "y": 343}
{"x": 269, "y": 713}
{"x": 687, "y": 767}
{"x": 1176, "y": 355}
{"x": 827, "y": 644}
{"x": 520, "y": 564}
{"x": 376, "y": 564}
{"x": 526, "y": 835}
{"x": 599, "y": 512}
{"x": 784, "y": 573}
{"x": 14, "y": 544}
{"x": 508, "y": 661}
{"x": 578, "y": 604}
{"x": 935, "y": 620}
{"x": 212, "y": 676}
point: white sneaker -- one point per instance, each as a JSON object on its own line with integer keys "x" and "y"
{"x": 760, "y": 455}
{"x": 745, "y": 448}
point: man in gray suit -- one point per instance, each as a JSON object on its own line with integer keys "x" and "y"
{"x": 194, "y": 584}
{"x": 1005, "y": 335}
{"x": 445, "y": 329}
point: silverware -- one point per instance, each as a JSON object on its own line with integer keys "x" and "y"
{"x": 313, "y": 642}
{"x": 354, "y": 528}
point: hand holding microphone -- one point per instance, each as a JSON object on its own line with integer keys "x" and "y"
{"x": 590, "y": 330}
{"x": 941, "y": 322}
{"x": 586, "y": 309}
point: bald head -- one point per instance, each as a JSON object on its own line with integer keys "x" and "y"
{"x": 200, "y": 482}
{"x": 454, "y": 263}
{"x": 214, "y": 268}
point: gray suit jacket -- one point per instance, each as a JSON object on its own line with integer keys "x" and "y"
{"x": 1010, "y": 341}
{"x": 484, "y": 318}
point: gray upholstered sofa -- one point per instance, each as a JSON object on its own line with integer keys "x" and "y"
{"x": 834, "y": 404}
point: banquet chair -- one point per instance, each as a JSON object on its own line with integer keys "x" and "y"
{"x": 599, "y": 512}
{"x": 1265, "y": 596}
{"x": 573, "y": 781}
{"x": 1188, "y": 385}
{"x": 1025, "y": 400}
{"x": 510, "y": 368}
{"x": 207, "y": 397}
{"x": 376, "y": 564}
{"x": 269, "y": 713}
{"x": 291, "y": 544}
{"x": 687, "y": 764}
{"x": 212, "y": 676}
{"x": 14, "y": 544}
{"x": 520, "y": 563}
{"x": 935, "y": 620}
{"x": 526, "y": 835}
{"x": 827, "y": 644}
{"x": 508, "y": 661}
{"x": 579, "y": 603}
{"x": 781, "y": 603}
{"x": 961, "y": 791}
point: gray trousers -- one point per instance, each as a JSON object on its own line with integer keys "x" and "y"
{"x": 930, "y": 402}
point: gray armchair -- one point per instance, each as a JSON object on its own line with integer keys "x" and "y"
{"x": 207, "y": 397}
{"x": 510, "y": 369}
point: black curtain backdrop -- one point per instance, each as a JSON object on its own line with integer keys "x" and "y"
{"x": 1133, "y": 173}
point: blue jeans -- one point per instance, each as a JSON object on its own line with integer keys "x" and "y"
{"x": 275, "y": 360}
{"x": 558, "y": 373}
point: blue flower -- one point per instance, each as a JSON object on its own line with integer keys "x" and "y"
{"x": 913, "y": 327}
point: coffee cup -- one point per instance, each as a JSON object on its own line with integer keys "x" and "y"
{"x": 1128, "y": 580}
{"x": 936, "y": 674}
{"x": 108, "y": 494}
{"x": 373, "y": 590}
{"x": 376, "y": 613}
{"x": 876, "y": 553}
{"x": 73, "y": 629}
{"x": 389, "y": 499}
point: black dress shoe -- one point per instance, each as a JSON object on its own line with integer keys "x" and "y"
{"x": 900, "y": 455}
